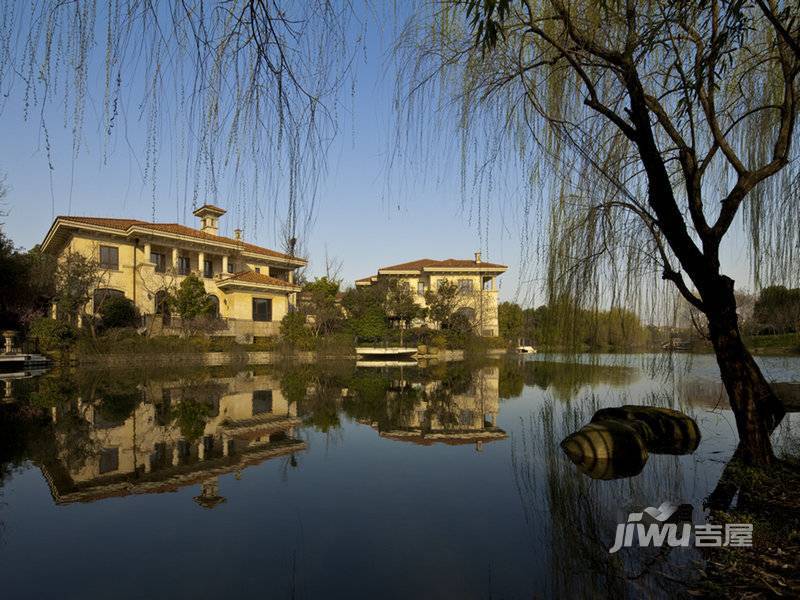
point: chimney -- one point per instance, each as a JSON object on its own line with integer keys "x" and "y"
{"x": 209, "y": 218}
{"x": 478, "y": 256}
{"x": 237, "y": 234}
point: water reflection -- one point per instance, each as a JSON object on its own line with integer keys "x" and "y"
{"x": 114, "y": 437}
{"x": 371, "y": 460}
{"x": 452, "y": 410}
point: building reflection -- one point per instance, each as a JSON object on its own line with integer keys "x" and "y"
{"x": 441, "y": 411}
{"x": 165, "y": 435}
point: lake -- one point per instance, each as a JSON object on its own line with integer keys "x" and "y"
{"x": 337, "y": 480}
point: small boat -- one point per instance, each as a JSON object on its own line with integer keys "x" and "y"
{"x": 386, "y": 363}
{"x": 15, "y": 363}
{"x": 526, "y": 350}
{"x": 387, "y": 351}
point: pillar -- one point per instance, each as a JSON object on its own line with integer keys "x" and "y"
{"x": 201, "y": 258}
{"x": 147, "y": 251}
{"x": 9, "y": 341}
{"x": 226, "y": 446}
{"x": 224, "y": 263}
{"x": 201, "y": 449}
{"x": 176, "y": 457}
{"x": 175, "y": 258}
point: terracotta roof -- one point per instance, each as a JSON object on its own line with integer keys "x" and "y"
{"x": 418, "y": 265}
{"x": 365, "y": 278}
{"x": 174, "y": 228}
{"x": 253, "y": 277}
{"x": 211, "y": 207}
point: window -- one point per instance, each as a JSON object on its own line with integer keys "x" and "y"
{"x": 262, "y": 402}
{"x": 183, "y": 265}
{"x": 258, "y": 269}
{"x": 159, "y": 260}
{"x": 109, "y": 460}
{"x": 440, "y": 283}
{"x": 487, "y": 283}
{"x": 109, "y": 257}
{"x": 231, "y": 267}
{"x": 465, "y": 285}
{"x": 262, "y": 309}
{"x": 421, "y": 288}
{"x": 213, "y": 303}
{"x": 208, "y": 268}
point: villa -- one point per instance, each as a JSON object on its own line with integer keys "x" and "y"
{"x": 250, "y": 288}
{"x": 475, "y": 278}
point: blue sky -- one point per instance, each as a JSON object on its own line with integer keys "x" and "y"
{"x": 361, "y": 220}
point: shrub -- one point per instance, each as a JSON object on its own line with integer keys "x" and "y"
{"x": 459, "y": 331}
{"x": 294, "y": 330}
{"x": 53, "y": 334}
{"x": 439, "y": 341}
{"x": 118, "y": 311}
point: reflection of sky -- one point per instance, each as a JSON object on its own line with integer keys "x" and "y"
{"x": 363, "y": 516}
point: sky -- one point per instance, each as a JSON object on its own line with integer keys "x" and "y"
{"x": 363, "y": 220}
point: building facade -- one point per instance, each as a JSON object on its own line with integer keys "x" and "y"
{"x": 247, "y": 420}
{"x": 476, "y": 280}
{"x": 250, "y": 288}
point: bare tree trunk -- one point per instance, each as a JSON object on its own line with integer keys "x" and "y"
{"x": 755, "y": 405}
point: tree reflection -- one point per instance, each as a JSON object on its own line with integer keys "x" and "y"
{"x": 575, "y": 516}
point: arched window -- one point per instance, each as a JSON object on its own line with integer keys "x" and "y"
{"x": 162, "y": 306}
{"x": 467, "y": 313}
{"x": 102, "y": 294}
{"x": 213, "y": 303}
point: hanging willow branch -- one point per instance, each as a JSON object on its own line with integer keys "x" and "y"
{"x": 243, "y": 90}
{"x": 602, "y": 102}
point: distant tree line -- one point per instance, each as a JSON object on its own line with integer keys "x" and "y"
{"x": 777, "y": 310}
{"x": 565, "y": 325}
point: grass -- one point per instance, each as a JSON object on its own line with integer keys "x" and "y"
{"x": 769, "y": 499}
{"x": 785, "y": 343}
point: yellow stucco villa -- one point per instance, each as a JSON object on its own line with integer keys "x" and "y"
{"x": 475, "y": 278}
{"x": 251, "y": 288}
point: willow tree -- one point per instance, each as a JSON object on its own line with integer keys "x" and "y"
{"x": 646, "y": 129}
{"x": 236, "y": 92}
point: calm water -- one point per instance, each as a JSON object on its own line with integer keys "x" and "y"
{"x": 343, "y": 481}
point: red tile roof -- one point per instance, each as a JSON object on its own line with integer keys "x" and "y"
{"x": 210, "y": 206}
{"x": 418, "y": 265}
{"x": 174, "y": 228}
{"x": 253, "y": 277}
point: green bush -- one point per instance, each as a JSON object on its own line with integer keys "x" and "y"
{"x": 294, "y": 330}
{"x": 53, "y": 334}
{"x": 118, "y": 311}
